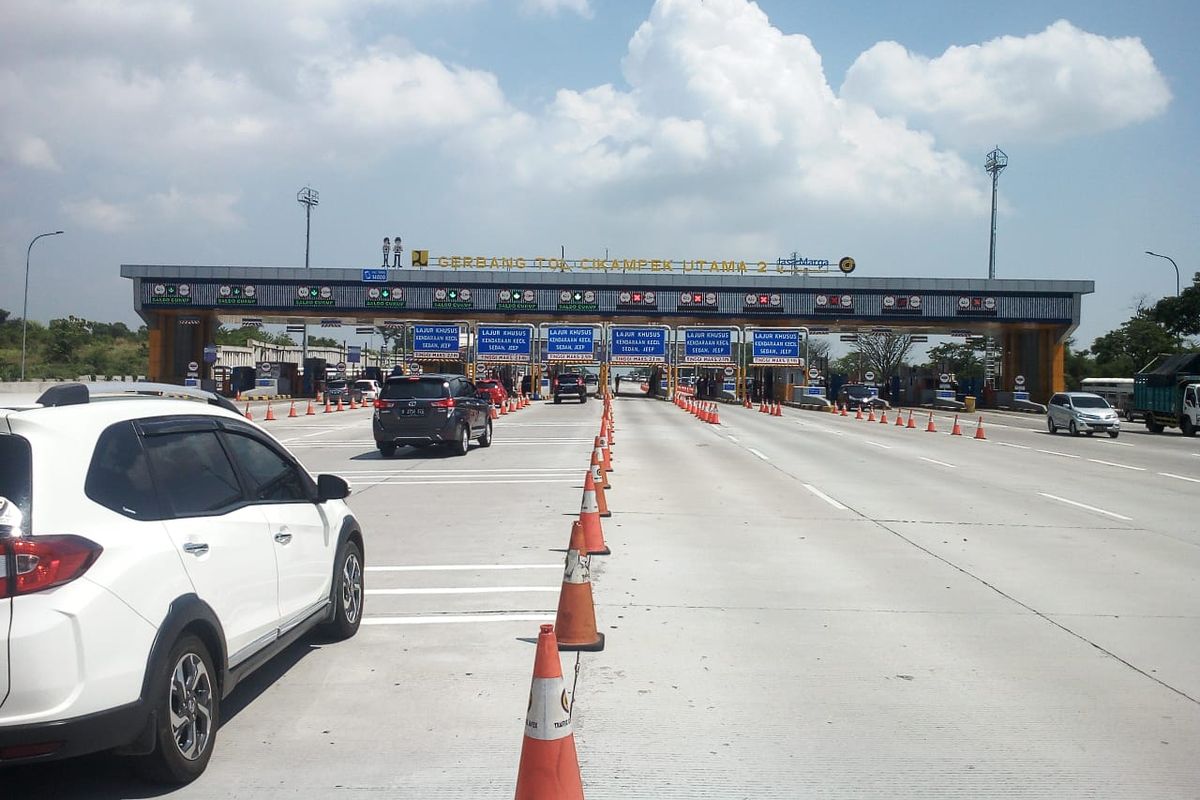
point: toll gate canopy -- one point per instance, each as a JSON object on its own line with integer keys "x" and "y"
{"x": 1029, "y": 319}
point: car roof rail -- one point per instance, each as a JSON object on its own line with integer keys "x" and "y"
{"x": 74, "y": 394}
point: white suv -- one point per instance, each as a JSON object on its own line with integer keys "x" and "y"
{"x": 153, "y": 552}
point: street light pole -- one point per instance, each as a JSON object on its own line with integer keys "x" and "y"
{"x": 1173, "y": 264}
{"x": 996, "y": 161}
{"x": 25, "y": 306}
{"x": 308, "y": 198}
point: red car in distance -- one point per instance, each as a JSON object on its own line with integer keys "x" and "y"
{"x": 494, "y": 389}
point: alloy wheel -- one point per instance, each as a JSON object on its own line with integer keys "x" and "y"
{"x": 191, "y": 705}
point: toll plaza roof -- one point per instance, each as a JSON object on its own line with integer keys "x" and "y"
{"x": 754, "y": 295}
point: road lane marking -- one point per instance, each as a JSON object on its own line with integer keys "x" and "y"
{"x": 935, "y": 461}
{"x": 1116, "y": 444}
{"x": 455, "y": 483}
{"x": 1179, "y": 477}
{"x": 531, "y": 471}
{"x": 1112, "y": 464}
{"x": 877, "y": 444}
{"x": 460, "y": 567}
{"x": 1084, "y": 505}
{"x": 757, "y": 453}
{"x": 1018, "y": 446}
{"x": 733, "y": 439}
{"x": 1056, "y": 453}
{"x": 824, "y": 496}
{"x": 466, "y": 590}
{"x": 548, "y": 616}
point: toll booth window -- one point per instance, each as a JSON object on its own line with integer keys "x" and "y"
{"x": 415, "y": 389}
{"x": 118, "y": 477}
{"x": 16, "y": 485}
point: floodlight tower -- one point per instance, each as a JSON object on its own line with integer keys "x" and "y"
{"x": 308, "y": 198}
{"x": 996, "y": 161}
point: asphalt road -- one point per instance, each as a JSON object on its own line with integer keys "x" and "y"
{"x": 805, "y": 606}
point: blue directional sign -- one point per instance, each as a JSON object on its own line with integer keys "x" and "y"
{"x": 504, "y": 343}
{"x": 374, "y": 276}
{"x": 570, "y": 343}
{"x": 775, "y": 346}
{"x": 210, "y": 354}
{"x": 354, "y": 354}
{"x": 638, "y": 345}
{"x": 708, "y": 346}
{"x": 435, "y": 342}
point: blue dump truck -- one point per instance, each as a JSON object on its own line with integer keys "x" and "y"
{"x": 1167, "y": 394}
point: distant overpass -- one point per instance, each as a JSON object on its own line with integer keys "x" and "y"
{"x": 1030, "y": 319}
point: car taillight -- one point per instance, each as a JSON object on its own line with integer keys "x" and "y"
{"x": 556, "y": 381}
{"x": 43, "y": 562}
{"x": 380, "y": 405}
{"x": 445, "y": 403}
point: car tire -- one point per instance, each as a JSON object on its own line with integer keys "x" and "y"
{"x": 1073, "y": 428}
{"x": 486, "y": 439}
{"x": 387, "y": 450}
{"x": 462, "y": 442}
{"x": 1186, "y": 426}
{"x": 1113, "y": 434}
{"x": 583, "y": 398}
{"x": 557, "y": 399}
{"x": 1050, "y": 426}
{"x": 1153, "y": 426}
{"x": 347, "y": 593}
{"x": 186, "y": 689}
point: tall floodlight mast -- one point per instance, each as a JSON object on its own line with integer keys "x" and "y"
{"x": 997, "y": 160}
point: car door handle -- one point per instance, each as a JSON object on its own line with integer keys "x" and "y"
{"x": 284, "y": 536}
{"x": 195, "y": 548}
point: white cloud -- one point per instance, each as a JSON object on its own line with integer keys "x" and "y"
{"x": 552, "y": 7}
{"x": 99, "y": 214}
{"x": 33, "y": 152}
{"x": 1055, "y": 84}
{"x": 210, "y": 208}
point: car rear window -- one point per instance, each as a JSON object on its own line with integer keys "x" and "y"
{"x": 336, "y": 385}
{"x": 487, "y": 384}
{"x": 16, "y": 485}
{"x": 119, "y": 478}
{"x": 415, "y": 389}
{"x": 363, "y": 385}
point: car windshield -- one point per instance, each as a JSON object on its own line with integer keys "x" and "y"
{"x": 415, "y": 389}
{"x": 336, "y": 385}
{"x": 857, "y": 391}
{"x": 1090, "y": 402}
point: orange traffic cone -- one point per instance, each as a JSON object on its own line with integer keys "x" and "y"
{"x": 956, "y": 430}
{"x": 716, "y": 415}
{"x": 858, "y": 413}
{"x": 270, "y": 413}
{"x": 845, "y": 413}
{"x": 589, "y": 518}
{"x": 292, "y": 411}
{"x": 504, "y": 409}
{"x": 328, "y": 409}
{"x": 493, "y": 413}
{"x": 598, "y": 457}
{"x": 576, "y": 620}
{"x": 883, "y": 417}
{"x": 353, "y": 405}
{"x": 871, "y": 414}
{"x": 248, "y": 414}
{"x": 598, "y": 481}
{"x": 605, "y": 452}
{"x": 549, "y": 765}
{"x": 979, "y": 430}
{"x": 929, "y": 428}
{"x": 899, "y": 419}
{"x": 910, "y": 424}
{"x": 340, "y": 407}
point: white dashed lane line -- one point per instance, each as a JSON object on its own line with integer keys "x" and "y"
{"x": 879, "y": 445}
{"x": 763, "y": 456}
{"x": 466, "y": 590}
{"x": 1112, "y": 464}
{"x": 1087, "y": 507}
{"x": 1056, "y": 453}
{"x": 824, "y": 496}
{"x": 935, "y": 461}
{"x": 1179, "y": 477}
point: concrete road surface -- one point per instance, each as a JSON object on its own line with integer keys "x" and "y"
{"x": 803, "y": 606}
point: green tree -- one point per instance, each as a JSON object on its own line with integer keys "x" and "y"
{"x": 961, "y": 360}
{"x": 1180, "y": 315}
{"x": 67, "y": 337}
{"x": 3, "y": 316}
{"x": 1078, "y": 364}
{"x": 884, "y": 353}
{"x": 322, "y": 341}
{"x": 1123, "y": 352}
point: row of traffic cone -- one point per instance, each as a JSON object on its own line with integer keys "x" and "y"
{"x": 703, "y": 411}
{"x": 955, "y": 430}
{"x": 549, "y": 766}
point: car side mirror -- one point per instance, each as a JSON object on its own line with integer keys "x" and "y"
{"x": 331, "y": 487}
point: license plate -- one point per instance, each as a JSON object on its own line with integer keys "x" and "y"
{"x": 411, "y": 412}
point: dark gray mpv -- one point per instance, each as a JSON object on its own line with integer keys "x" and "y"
{"x": 421, "y": 410}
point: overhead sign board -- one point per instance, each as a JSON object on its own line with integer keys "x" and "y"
{"x": 575, "y": 343}
{"x": 775, "y": 346}
{"x": 436, "y": 342}
{"x": 707, "y": 346}
{"x": 504, "y": 343}
{"x": 374, "y": 276}
{"x": 638, "y": 345}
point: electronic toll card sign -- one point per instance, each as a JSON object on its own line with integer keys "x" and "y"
{"x": 571, "y": 343}
{"x": 707, "y": 346}
{"x": 436, "y": 342}
{"x": 637, "y": 345}
{"x": 511, "y": 344}
{"x": 775, "y": 347}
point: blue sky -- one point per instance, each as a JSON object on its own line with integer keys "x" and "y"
{"x": 178, "y": 131}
